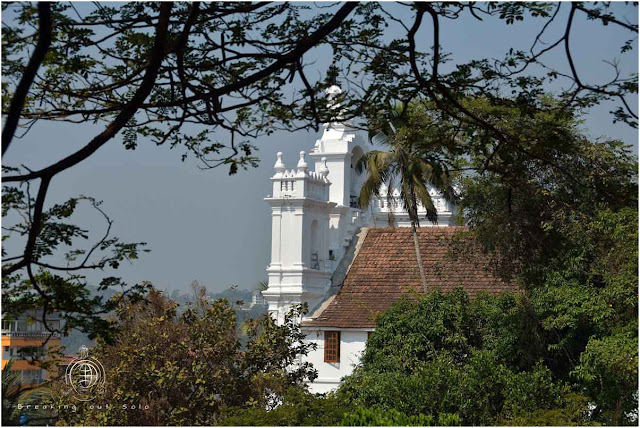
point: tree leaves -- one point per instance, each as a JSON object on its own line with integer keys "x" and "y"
{"x": 189, "y": 366}
{"x": 446, "y": 354}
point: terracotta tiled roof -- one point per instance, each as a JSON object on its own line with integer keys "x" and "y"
{"x": 385, "y": 268}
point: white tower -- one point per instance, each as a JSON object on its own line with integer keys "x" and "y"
{"x": 314, "y": 219}
{"x": 299, "y": 271}
{"x": 342, "y": 146}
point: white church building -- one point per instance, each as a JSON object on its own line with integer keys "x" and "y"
{"x": 343, "y": 261}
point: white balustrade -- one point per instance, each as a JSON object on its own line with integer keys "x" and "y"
{"x": 300, "y": 183}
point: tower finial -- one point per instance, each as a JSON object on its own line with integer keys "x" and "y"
{"x": 333, "y": 91}
{"x": 333, "y": 95}
{"x": 302, "y": 164}
{"x": 324, "y": 169}
{"x": 279, "y": 166}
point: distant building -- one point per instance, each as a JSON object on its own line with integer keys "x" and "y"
{"x": 24, "y": 339}
{"x": 335, "y": 257}
{"x": 257, "y": 299}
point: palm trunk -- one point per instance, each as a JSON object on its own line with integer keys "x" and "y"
{"x": 423, "y": 278}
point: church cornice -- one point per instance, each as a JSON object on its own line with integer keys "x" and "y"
{"x": 297, "y": 202}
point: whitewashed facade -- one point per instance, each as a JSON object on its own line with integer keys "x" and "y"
{"x": 315, "y": 221}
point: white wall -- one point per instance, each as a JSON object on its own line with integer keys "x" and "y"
{"x": 352, "y": 344}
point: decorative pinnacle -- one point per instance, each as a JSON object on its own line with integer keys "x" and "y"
{"x": 302, "y": 165}
{"x": 324, "y": 169}
{"x": 279, "y": 166}
{"x": 333, "y": 91}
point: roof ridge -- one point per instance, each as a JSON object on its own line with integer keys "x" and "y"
{"x": 446, "y": 229}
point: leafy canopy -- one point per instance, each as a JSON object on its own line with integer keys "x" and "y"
{"x": 190, "y": 367}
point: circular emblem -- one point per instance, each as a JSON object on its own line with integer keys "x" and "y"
{"x": 85, "y": 376}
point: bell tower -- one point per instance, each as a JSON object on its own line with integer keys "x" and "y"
{"x": 342, "y": 146}
{"x": 313, "y": 220}
{"x": 299, "y": 271}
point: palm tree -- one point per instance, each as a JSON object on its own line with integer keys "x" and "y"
{"x": 11, "y": 390}
{"x": 14, "y": 392}
{"x": 412, "y": 163}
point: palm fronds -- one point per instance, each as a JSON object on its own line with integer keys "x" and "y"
{"x": 411, "y": 160}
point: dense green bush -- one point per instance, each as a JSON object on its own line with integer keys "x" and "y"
{"x": 443, "y": 354}
{"x": 376, "y": 417}
{"x": 299, "y": 408}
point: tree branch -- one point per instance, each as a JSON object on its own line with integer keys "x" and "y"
{"x": 19, "y": 97}
{"x": 47, "y": 174}
{"x": 157, "y": 54}
{"x": 283, "y": 61}
{"x": 436, "y": 41}
{"x": 566, "y": 45}
{"x": 605, "y": 18}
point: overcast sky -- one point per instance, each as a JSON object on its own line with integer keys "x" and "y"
{"x": 215, "y": 228}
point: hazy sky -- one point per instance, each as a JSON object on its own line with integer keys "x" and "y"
{"x": 215, "y": 228}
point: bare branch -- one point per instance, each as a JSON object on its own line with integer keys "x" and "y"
{"x": 19, "y": 97}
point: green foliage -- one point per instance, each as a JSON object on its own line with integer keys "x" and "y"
{"x": 573, "y": 411}
{"x": 447, "y": 323}
{"x": 528, "y": 194}
{"x": 609, "y": 371}
{"x": 565, "y": 225}
{"x": 420, "y": 150}
{"x": 298, "y": 408}
{"x": 376, "y": 417}
{"x": 21, "y": 400}
{"x": 11, "y": 389}
{"x": 187, "y": 368}
{"x": 60, "y": 287}
{"x": 446, "y": 354}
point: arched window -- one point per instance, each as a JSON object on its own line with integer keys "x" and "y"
{"x": 315, "y": 253}
{"x": 357, "y": 178}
